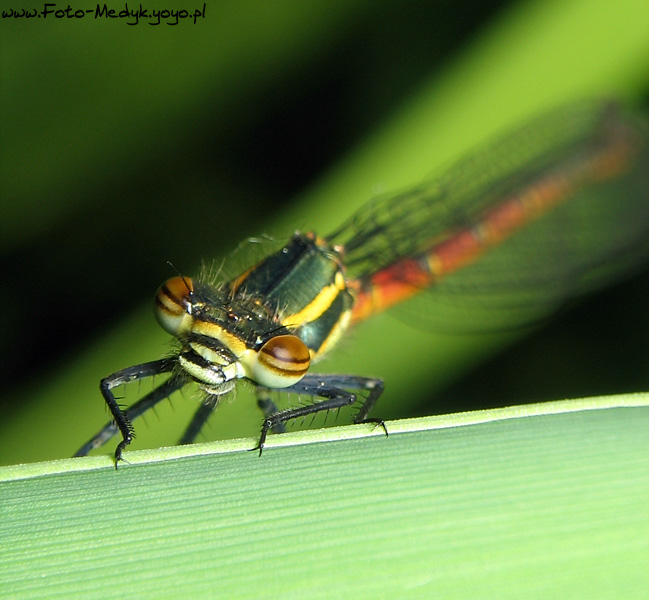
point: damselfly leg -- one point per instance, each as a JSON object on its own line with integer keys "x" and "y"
{"x": 335, "y": 391}
{"x": 122, "y": 419}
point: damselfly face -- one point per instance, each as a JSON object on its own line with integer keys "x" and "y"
{"x": 226, "y": 337}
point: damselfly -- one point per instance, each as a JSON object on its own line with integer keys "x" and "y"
{"x": 555, "y": 209}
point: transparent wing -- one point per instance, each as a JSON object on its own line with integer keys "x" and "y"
{"x": 595, "y": 233}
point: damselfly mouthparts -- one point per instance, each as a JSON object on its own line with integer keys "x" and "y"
{"x": 551, "y": 211}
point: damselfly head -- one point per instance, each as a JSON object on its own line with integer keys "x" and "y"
{"x": 223, "y": 341}
{"x": 174, "y": 303}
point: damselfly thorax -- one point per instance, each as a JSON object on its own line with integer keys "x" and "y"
{"x": 556, "y": 209}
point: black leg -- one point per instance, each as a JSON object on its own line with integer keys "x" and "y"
{"x": 268, "y": 407}
{"x": 334, "y": 390}
{"x": 203, "y": 413}
{"x": 122, "y": 419}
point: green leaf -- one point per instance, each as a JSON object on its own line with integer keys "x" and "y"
{"x": 541, "y": 501}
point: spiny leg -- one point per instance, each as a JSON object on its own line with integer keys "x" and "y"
{"x": 199, "y": 419}
{"x": 268, "y": 407}
{"x": 122, "y": 419}
{"x": 334, "y": 390}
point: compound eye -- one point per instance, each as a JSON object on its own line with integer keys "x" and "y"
{"x": 281, "y": 362}
{"x": 173, "y": 305}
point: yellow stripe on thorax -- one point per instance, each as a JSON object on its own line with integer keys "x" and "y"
{"x": 334, "y": 335}
{"x": 318, "y": 305}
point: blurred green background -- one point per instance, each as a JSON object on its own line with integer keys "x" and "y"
{"x": 123, "y": 147}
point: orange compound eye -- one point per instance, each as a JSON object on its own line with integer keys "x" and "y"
{"x": 173, "y": 305}
{"x": 281, "y": 362}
